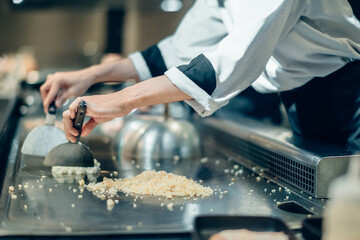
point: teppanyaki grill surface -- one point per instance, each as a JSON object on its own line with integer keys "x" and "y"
{"x": 206, "y": 226}
{"x": 51, "y": 206}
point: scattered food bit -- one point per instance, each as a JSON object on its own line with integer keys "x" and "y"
{"x": 265, "y": 190}
{"x": 73, "y": 205}
{"x": 134, "y": 205}
{"x": 20, "y": 186}
{"x": 273, "y": 190}
{"x": 204, "y": 160}
{"x": 310, "y": 197}
{"x": 211, "y": 210}
{"x": 129, "y": 228}
{"x": 68, "y": 229}
{"x": 137, "y": 166}
{"x": 116, "y": 201}
{"x": 287, "y": 197}
{"x": 26, "y": 185}
{"x": 110, "y": 203}
{"x": 11, "y": 189}
{"x": 236, "y": 167}
{"x": 81, "y": 183}
{"x": 50, "y": 189}
{"x": 312, "y": 208}
{"x": 74, "y": 190}
{"x": 217, "y": 162}
{"x": 170, "y": 206}
{"x": 115, "y": 173}
{"x": 162, "y": 204}
{"x": 13, "y": 196}
{"x": 241, "y": 171}
{"x": 157, "y": 164}
{"x": 258, "y": 179}
{"x": 181, "y": 208}
{"x": 41, "y": 186}
{"x": 80, "y": 196}
{"x": 251, "y": 190}
{"x": 226, "y": 170}
{"x": 140, "y": 224}
{"x": 25, "y": 207}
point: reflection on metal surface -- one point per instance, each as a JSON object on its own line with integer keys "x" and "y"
{"x": 149, "y": 141}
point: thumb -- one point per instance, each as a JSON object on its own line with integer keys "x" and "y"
{"x": 88, "y": 127}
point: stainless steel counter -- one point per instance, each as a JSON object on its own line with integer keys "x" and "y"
{"x": 45, "y": 206}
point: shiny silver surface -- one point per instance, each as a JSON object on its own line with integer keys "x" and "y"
{"x": 44, "y": 207}
{"x": 42, "y": 139}
{"x": 308, "y": 165}
{"x": 148, "y": 138}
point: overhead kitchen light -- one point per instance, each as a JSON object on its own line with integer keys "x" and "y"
{"x": 171, "y": 5}
{"x": 17, "y": 1}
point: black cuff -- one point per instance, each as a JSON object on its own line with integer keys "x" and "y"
{"x": 154, "y": 61}
{"x": 201, "y": 72}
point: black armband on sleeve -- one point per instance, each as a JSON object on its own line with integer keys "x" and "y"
{"x": 154, "y": 61}
{"x": 201, "y": 72}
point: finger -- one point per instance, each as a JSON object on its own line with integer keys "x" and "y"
{"x": 70, "y": 131}
{"x": 54, "y": 89}
{"x": 88, "y": 127}
{"x": 73, "y": 106}
{"x": 61, "y": 98}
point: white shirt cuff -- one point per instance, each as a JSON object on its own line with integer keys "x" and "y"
{"x": 202, "y": 102}
{"x": 140, "y": 66}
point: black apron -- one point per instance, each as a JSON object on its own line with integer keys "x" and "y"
{"x": 327, "y": 108}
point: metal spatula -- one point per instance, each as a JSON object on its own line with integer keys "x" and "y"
{"x": 72, "y": 154}
{"x": 42, "y": 139}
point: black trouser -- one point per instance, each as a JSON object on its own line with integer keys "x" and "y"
{"x": 328, "y": 108}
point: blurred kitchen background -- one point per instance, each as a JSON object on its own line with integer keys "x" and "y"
{"x": 76, "y": 33}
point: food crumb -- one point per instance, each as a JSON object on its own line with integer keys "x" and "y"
{"x": 217, "y": 162}
{"x": 170, "y": 206}
{"x": 11, "y": 189}
{"x": 258, "y": 179}
{"x": 50, "y": 189}
{"x": 80, "y": 196}
{"x": 129, "y": 228}
{"x": 236, "y": 167}
{"x": 25, "y": 207}
{"x": 20, "y": 186}
{"x": 204, "y": 160}
{"x": 68, "y": 229}
{"x": 226, "y": 171}
{"x": 13, "y": 196}
{"x": 81, "y": 182}
{"x": 181, "y": 208}
{"x": 134, "y": 205}
{"x": 157, "y": 164}
{"x": 211, "y": 210}
{"x": 74, "y": 190}
{"x": 140, "y": 224}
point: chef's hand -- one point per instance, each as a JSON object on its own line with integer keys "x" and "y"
{"x": 101, "y": 108}
{"x": 65, "y": 85}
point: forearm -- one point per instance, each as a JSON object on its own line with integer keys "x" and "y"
{"x": 118, "y": 71}
{"x": 151, "y": 92}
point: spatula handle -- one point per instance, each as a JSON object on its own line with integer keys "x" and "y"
{"x": 52, "y": 108}
{"x": 79, "y": 118}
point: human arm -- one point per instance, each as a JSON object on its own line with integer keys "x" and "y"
{"x": 214, "y": 77}
{"x": 64, "y": 85}
{"x": 103, "y": 108}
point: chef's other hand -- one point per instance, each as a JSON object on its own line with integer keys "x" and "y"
{"x": 100, "y": 109}
{"x": 65, "y": 85}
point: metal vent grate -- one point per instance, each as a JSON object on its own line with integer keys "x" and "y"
{"x": 291, "y": 171}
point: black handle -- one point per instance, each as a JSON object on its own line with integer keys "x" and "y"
{"x": 52, "y": 108}
{"x": 79, "y": 118}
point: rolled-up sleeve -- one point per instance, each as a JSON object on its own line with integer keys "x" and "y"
{"x": 214, "y": 77}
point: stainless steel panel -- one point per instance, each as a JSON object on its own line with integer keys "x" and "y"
{"x": 308, "y": 165}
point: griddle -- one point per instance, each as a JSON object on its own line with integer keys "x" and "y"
{"x": 50, "y": 212}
